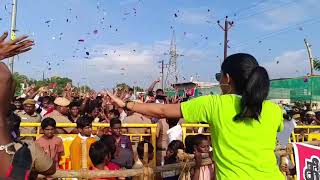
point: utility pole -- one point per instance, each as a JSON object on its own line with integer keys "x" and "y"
{"x": 226, "y": 28}
{"x": 42, "y": 75}
{"x": 310, "y": 56}
{"x": 162, "y": 73}
{"x": 13, "y": 30}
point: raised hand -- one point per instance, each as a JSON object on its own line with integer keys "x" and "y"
{"x": 116, "y": 100}
{"x": 14, "y": 47}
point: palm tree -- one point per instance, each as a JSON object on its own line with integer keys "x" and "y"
{"x": 316, "y": 64}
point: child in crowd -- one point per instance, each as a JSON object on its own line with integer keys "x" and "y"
{"x": 101, "y": 156}
{"x": 121, "y": 156}
{"x": 171, "y": 158}
{"x": 140, "y": 150}
{"x": 201, "y": 145}
{"x": 84, "y": 127}
{"x": 51, "y": 144}
{"x": 121, "y": 140}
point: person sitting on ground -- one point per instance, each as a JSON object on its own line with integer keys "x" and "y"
{"x": 84, "y": 126}
{"x": 51, "y": 144}
{"x": 60, "y": 114}
{"x": 121, "y": 156}
{"x": 201, "y": 145}
{"x": 171, "y": 158}
{"x": 121, "y": 140}
{"x": 29, "y": 115}
{"x": 101, "y": 156}
{"x": 140, "y": 150}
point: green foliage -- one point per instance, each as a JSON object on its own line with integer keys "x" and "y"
{"x": 60, "y": 81}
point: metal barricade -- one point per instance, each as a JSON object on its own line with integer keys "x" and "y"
{"x": 152, "y": 135}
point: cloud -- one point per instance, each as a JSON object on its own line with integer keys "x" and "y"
{"x": 194, "y": 16}
{"x": 132, "y": 63}
{"x": 289, "y": 64}
{"x": 275, "y": 16}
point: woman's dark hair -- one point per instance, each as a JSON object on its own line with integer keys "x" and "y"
{"x": 110, "y": 141}
{"x": 48, "y": 122}
{"x": 98, "y": 152}
{"x": 74, "y": 104}
{"x": 251, "y": 81}
{"x": 174, "y": 146}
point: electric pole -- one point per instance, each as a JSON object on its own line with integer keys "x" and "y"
{"x": 13, "y": 30}
{"x": 310, "y": 56}
{"x": 162, "y": 73}
{"x": 226, "y": 28}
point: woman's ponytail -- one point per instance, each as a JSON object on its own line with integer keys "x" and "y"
{"x": 255, "y": 91}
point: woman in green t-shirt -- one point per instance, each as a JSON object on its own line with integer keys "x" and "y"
{"x": 243, "y": 123}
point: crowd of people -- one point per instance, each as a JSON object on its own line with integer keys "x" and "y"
{"x": 235, "y": 118}
{"x": 107, "y": 148}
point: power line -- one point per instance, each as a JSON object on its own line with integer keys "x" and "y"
{"x": 264, "y": 11}
{"x": 245, "y": 9}
{"x": 275, "y": 33}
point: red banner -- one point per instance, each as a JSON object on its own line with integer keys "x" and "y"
{"x": 307, "y": 158}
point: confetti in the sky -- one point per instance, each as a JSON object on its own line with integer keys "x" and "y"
{"x": 87, "y": 53}
{"x": 81, "y": 40}
{"x": 95, "y": 32}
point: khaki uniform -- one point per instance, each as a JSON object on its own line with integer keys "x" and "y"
{"x": 34, "y": 118}
{"x": 137, "y": 118}
{"x": 59, "y": 118}
{"x": 162, "y": 140}
{"x": 40, "y": 160}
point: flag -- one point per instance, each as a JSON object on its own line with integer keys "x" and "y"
{"x": 307, "y": 159}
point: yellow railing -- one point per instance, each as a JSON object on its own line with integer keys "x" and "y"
{"x": 185, "y": 127}
{"x": 152, "y": 135}
{"x": 303, "y": 135}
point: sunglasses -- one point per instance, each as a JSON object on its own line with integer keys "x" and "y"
{"x": 218, "y": 76}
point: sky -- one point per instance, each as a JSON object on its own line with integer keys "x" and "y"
{"x": 104, "y": 42}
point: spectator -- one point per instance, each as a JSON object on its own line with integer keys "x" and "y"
{"x": 29, "y": 115}
{"x": 121, "y": 156}
{"x": 136, "y": 118}
{"x": 309, "y": 118}
{"x": 171, "y": 158}
{"x": 101, "y": 156}
{"x": 202, "y": 145}
{"x": 121, "y": 140}
{"x": 60, "y": 114}
{"x": 140, "y": 150}
{"x": 18, "y": 104}
{"x": 84, "y": 126}
{"x": 51, "y": 144}
{"x": 74, "y": 111}
{"x": 175, "y": 130}
{"x": 46, "y": 105}
{"x": 162, "y": 141}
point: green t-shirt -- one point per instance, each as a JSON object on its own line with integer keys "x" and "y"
{"x": 242, "y": 150}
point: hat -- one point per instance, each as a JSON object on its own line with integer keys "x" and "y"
{"x": 29, "y": 102}
{"x": 61, "y": 101}
{"x": 296, "y": 116}
{"x": 310, "y": 113}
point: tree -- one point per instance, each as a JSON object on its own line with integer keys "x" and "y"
{"x": 316, "y": 64}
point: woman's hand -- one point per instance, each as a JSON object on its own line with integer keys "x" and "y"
{"x": 116, "y": 100}
{"x": 14, "y": 47}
